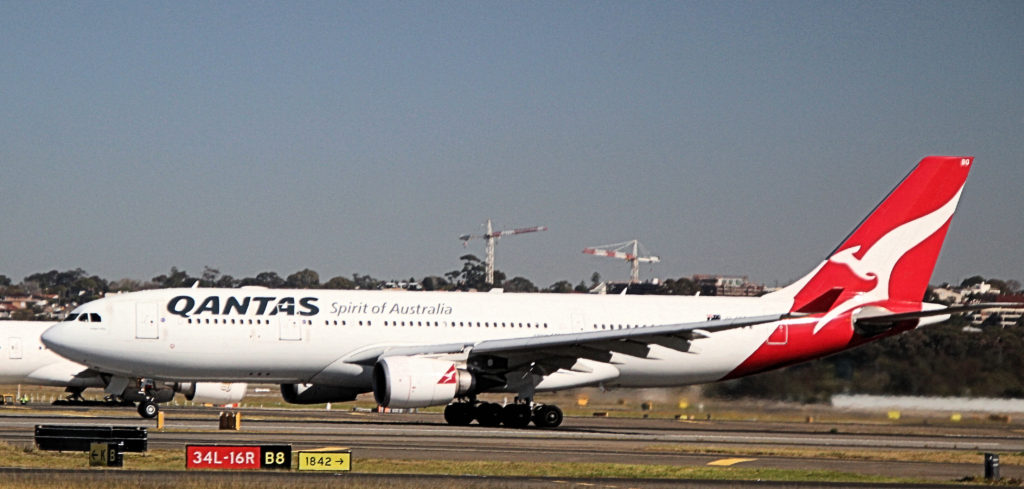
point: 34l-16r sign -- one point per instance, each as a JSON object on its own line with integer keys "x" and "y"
{"x": 238, "y": 457}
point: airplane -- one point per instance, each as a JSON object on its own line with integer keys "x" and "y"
{"x": 27, "y": 361}
{"x": 418, "y": 349}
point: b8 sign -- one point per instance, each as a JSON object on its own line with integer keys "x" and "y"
{"x": 238, "y": 457}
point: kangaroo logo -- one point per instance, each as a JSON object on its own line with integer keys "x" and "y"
{"x": 449, "y": 376}
{"x": 879, "y": 260}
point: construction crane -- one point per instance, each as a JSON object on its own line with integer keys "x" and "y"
{"x": 492, "y": 236}
{"x": 629, "y": 251}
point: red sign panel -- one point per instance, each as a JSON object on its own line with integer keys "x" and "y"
{"x": 222, "y": 457}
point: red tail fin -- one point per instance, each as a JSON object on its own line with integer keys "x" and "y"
{"x": 892, "y": 253}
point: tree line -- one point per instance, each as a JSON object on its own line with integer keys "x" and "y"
{"x": 78, "y": 286}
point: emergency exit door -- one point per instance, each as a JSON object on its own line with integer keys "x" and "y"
{"x": 15, "y": 349}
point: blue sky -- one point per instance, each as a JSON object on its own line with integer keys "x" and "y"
{"x": 729, "y": 137}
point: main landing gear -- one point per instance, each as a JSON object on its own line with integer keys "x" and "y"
{"x": 516, "y": 415}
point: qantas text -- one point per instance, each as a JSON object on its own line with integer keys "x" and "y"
{"x": 186, "y": 306}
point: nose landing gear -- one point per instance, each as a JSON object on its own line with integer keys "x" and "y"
{"x": 148, "y": 409}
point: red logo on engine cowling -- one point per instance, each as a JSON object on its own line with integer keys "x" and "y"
{"x": 449, "y": 376}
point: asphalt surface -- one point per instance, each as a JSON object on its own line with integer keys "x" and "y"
{"x": 594, "y": 440}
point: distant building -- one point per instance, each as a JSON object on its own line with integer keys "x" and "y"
{"x": 631, "y": 288}
{"x": 46, "y": 304}
{"x": 400, "y": 285}
{"x": 1004, "y": 317}
{"x": 980, "y": 288}
{"x": 725, "y": 285}
{"x": 949, "y": 295}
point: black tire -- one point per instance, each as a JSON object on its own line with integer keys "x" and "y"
{"x": 458, "y": 414}
{"x": 487, "y": 414}
{"x": 516, "y": 415}
{"x": 547, "y": 416}
{"x": 148, "y": 409}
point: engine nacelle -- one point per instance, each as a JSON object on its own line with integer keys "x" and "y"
{"x": 213, "y": 392}
{"x": 316, "y": 394}
{"x": 408, "y": 382}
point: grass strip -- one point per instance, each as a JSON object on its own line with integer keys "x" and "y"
{"x": 931, "y": 456}
{"x": 175, "y": 460}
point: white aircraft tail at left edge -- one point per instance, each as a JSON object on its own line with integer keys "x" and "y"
{"x": 414, "y": 349}
{"x": 25, "y": 360}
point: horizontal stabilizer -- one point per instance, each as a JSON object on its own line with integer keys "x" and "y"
{"x": 896, "y": 317}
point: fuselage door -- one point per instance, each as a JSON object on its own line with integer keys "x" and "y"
{"x": 15, "y": 348}
{"x": 291, "y": 328}
{"x": 146, "y": 326}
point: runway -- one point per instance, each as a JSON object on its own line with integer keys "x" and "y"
{"x": 595, "y": 440}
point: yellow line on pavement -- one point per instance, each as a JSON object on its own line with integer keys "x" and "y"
{"x": 725, "y": 462}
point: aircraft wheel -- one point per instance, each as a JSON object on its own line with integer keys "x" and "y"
{"x": 148, "y": 409}
{"x": 547, "y": 416}
{"x": 458, "y": 414}
{"x": 516, "y": 415}
{"x": 488, "y": 414}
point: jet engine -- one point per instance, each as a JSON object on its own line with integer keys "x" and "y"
{"x": 316, "y": 393}
{"x": 212, "y": 392}
{"x": 407, "y": 382}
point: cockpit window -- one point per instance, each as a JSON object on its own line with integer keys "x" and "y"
{"x": 85, "y": 317}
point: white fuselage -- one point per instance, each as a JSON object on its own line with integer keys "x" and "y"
{"x": 254, "y": 334}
